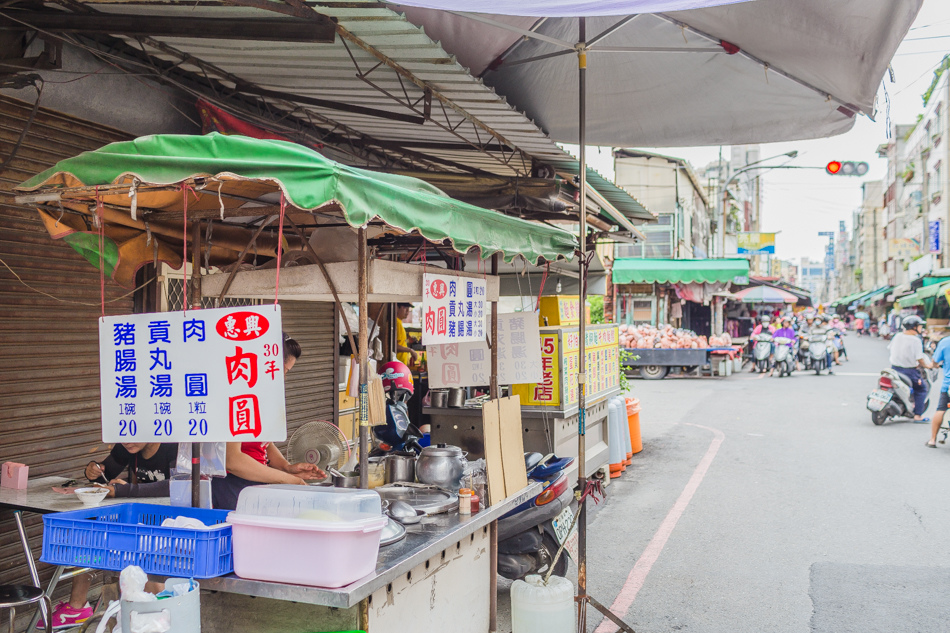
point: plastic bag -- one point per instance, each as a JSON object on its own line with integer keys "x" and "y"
{"x": 212, "y": 459}
{"x": 132, "y": 585}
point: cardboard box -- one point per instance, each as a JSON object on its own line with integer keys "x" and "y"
{"x": 14, "y": 475}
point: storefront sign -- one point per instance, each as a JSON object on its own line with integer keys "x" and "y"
{"x": 196, "y": 376}
{"x": 756, "y": 243}
{"x": 469, "y": 364}
{"x": 453, "y": 309}
{"x": 934, "y": 236}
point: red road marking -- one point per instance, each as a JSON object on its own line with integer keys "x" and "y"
{"x": 638, "y": 575}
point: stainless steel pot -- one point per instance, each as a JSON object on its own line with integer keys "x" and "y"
{"x": 441, "y": 465}
{"x": 348, "y": 479}
{"x": 399, "y": 467}
{"x": 456, "y": 397}
{"x": 439, "y": 398}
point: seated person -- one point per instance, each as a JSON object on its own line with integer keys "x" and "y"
{"x": 252, "y": 463}
{"x": 148, "y": 468}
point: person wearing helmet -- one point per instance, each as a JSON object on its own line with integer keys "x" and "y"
{"x": 765, "y": 324}
{"x": 907, "y": 357}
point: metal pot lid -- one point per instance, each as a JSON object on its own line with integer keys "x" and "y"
{"x": 393, "y": 532}
{"x": 441, "y": 450}
{"x": 429, "y": 499}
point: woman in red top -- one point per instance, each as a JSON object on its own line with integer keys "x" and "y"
{"x": 253, "y": 463}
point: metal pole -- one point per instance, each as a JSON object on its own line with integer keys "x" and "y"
{"x": 195, "y": 303}
{"x": 582, "y": 352}
{"x": 493, "y": 529}
{"x": 362, "y": 265}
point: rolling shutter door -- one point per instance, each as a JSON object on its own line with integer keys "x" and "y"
{"x": 312, "y": 384}
{"x": 49, "y": 374}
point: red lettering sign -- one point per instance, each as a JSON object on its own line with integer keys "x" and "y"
{"x": 242, "y": 326}
{"x": 245, "y": 415}
{"x": 438, "y": 289}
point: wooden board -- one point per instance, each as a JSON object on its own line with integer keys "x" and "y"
{"x": 491, "y": 423}
{"x": 512, "y": 444}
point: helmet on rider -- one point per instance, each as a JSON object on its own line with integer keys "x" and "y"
{"x": 912, "y": 323}
{"x": 397, "y": 380}
{"x": 765, "y": 319}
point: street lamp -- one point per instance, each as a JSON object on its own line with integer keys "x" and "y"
{"x": 724, "y": 188}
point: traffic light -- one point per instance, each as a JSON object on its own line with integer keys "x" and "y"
{"x": 846, "y": 168}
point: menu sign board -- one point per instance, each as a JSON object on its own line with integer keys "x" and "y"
{"x": 197, "y": 376}
{"x": 453, "y": 309}
{"x": 469, "y": 364}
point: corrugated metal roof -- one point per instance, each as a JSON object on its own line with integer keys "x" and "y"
{"x": 376, "y": 51}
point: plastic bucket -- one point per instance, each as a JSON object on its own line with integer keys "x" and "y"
{"x": 183, "y": 612}
{"x": 633, "y": 422}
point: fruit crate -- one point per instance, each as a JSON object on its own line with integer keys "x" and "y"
{"x": 115, "y": 536}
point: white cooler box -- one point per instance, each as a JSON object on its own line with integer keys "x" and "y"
{"x": 306, "y": 535}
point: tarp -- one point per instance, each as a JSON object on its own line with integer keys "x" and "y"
{"x": 257, "y": 168}
{"x": 647, "y": 271}
{"x": 756, "y": 72}
{"x": 922, "y": 294}
{"x": 566, "y": 8}
{"x": 847, "y": 299}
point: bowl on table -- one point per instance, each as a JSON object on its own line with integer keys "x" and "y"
{"x": 91, "y": 496}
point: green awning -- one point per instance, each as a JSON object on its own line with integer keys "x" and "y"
{"x": 849, "y": 299}
{"x": 926, "y": 292}
{"x": 648, "y": 271}
{"x": 309, "y": 181}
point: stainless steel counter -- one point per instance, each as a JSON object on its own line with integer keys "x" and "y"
{"x": 422, "y": 541}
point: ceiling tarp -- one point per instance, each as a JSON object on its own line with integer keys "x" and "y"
{"x": 754, "y": 72}
{"x": 567, "y": 8}
{"x": 169, "y": 171}
{"x": 648, "y": 271}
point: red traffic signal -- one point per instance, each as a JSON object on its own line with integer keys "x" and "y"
{"x": 847, "y": 168}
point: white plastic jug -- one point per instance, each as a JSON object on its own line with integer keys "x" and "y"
{"x": 536, "y": 608}
{"x": 622, "y": 421}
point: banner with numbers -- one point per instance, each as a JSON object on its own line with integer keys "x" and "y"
{"x": 453, "y": 309}
{"x": 197, "y": 376}
{"x": 469, "y": 364}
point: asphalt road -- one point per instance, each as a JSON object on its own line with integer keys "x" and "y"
{"x": 801, "y": 516}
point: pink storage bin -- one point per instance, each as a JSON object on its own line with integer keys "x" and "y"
{"x": 14, "y": 475}
{"x": 303, "y": 552}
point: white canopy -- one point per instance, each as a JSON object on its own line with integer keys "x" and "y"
{"x": 568, "y": 8}
{"x": 753, "y": 72}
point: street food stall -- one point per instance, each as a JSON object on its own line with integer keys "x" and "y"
{"x": 325, "y": 232}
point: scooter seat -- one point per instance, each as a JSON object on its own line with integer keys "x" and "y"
{"x": 905, "y": 379}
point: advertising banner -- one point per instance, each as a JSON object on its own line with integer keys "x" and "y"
{"x": 197, "y": 376}
{"x": 756, "y": 243}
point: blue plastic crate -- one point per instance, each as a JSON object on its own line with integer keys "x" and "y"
{"x": 116, "y": 536}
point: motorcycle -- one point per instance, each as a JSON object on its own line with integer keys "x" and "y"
{"x": 803, "y": 356}
{"x": 784, "y": 356}
{"x": 761, "y": 351}
{"x": 836, "y": 338}
{"x": 893, "y": 397}
{"x": 818, "y": 351}
{"x": 530, "y": 535}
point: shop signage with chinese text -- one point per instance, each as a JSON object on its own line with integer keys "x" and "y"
{"x": 453, "y": 309}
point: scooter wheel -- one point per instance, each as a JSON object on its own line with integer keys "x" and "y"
{"x": 548, "y": 549}
{"x": 878, "y": 417}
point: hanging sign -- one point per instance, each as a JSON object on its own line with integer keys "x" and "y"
{"x": 453, "y": 309}
{"x": 196, "y": 376}
{"x": 934, "y": 236}
{"x": 469, "y": 364}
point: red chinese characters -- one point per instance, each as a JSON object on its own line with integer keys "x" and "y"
{"x": 245, "y": 415}
{"x": 544, "y": 390}
{"x": 242, "y": 326}
{"x": 243, "y": 366}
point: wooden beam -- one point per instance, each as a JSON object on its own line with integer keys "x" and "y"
{"x": 256, "y": 29}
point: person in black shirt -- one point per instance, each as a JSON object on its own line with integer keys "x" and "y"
{"x": 143, "y": 464}
{"x": 147, "y": 469}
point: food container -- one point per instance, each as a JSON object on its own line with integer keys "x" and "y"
{"x": 400, "y": 467}
{"x": 376, "y": 472}
{"x": 306, "y": 535}
{"x": 349, "y": 479}
{"x": 91, "y": 497}
{"x": 465, "y": 501}
{"x": 438, "y": 398}
{"x": 441, "y": 465}
{"x": 456, "y": 398}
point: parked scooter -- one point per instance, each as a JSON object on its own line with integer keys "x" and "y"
{"x": 784, "y": 356}
{"x": 893, "y": 398}
{"x": 761, "y": 351}
{"x": 530, "y": 535}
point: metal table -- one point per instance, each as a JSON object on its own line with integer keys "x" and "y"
{"x": 439, "y": 574}
{"x": 39, "y": 497}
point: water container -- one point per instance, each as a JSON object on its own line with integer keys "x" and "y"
{"x": 737, "y": 363}
{"x": 615, "y": 443}
{"x": 536, "y": 608}
{"x": 728, "y": 363}
{"x": 624, "y": 428}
